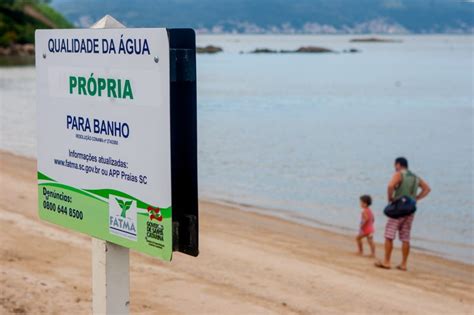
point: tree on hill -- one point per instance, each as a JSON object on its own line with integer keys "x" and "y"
{"x": 20, "y": 18}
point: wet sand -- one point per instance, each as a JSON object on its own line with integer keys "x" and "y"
{"x": 249, "y": 264}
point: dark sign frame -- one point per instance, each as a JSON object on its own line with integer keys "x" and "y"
{"x": 183, "y": 112}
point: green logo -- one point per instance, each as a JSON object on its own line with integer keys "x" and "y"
{"x": 124, "y": 205}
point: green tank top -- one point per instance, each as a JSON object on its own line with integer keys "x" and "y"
{"x": 408, "y": 186}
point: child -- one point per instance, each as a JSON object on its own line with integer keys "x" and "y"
{"x": 366, "y": 226}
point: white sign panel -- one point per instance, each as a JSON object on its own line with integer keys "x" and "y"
{"x": 104, "y": 134}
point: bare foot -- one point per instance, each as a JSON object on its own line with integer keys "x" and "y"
{"x": 379, "y": 264}
{"x": 402, "y": 268}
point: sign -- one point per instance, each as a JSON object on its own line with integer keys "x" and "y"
{"x": 110, "y": 136}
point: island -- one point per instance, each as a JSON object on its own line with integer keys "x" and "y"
{"x": 374, "y": 40}
{"x": 209, "y": 49}
{"x": 304, "y": 49}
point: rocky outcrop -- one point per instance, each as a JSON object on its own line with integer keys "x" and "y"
{"x": 374, "y": 40}
{"x": 208, "y": 50}
{"x": 351, "y": 51}
{"x": 264, "y": 51}
{"x": 18, "y": 50}
{"x": 312, "y": 50}
{"x": 304, "y": 49}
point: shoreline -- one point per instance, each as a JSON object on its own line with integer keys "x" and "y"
{"x": 249, "y": 263}
{"x": 301, "y": 219}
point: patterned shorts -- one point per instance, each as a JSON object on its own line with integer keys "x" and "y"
{"x": 402, "y": 225}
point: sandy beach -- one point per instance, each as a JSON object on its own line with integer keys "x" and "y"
{"x": 249, "y": 264}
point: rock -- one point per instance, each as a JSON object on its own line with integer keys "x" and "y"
{"x": 21, "y": 50}
{"x": 29, "y": 49}
{"x": 208, "y": 50}
{"x": 263, "y": 51}
{"x": 351, "y": 51}
{"x": 374, "y": 40}
{"x": 308, "y": 49}
{"x": 5, "y": 51}
{"x": 313, "y": 49}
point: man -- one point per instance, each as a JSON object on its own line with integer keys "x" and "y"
{"x": 403, "y": 183}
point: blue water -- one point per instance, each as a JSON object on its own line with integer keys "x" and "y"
{"x": 311, "y": 133}
{"x": 305, "y": 135}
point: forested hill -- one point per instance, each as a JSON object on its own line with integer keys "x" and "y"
{"x": 20, "y": 18}
{"x": 281, "y": 16}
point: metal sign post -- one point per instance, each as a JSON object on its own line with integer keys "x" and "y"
{"x": 110, "y": 278}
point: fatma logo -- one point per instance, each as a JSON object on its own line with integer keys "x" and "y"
{"x": 123, "y": 217}
{"x": 125, "y": 205}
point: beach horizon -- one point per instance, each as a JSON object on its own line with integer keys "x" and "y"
{"x": 250, "y": 262}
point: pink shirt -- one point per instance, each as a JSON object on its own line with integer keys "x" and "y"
{"x": 367, "y": 223}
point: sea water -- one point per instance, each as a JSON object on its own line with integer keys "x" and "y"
{"x": 304, "y": 135}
